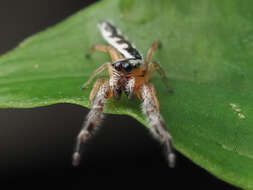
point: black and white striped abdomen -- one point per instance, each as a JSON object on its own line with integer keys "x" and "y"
{"x": 119, "y": 42}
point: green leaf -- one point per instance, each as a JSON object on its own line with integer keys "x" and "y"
{"x": 207, "y": 55}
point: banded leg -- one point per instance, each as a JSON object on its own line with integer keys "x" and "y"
{"x": 114, "y": 54}
{"x": 93, "y": 119}
{"x": 154, "y": 118}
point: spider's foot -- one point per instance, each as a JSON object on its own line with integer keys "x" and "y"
{"x": 172, "y": 160}
{"x": 76, "y": 159}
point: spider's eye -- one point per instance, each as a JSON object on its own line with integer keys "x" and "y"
{"x": 127, "y": 67}
{"x": 117, "y": 66}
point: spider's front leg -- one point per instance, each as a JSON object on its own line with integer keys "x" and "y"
{"x": 93, "y": 119}
{"x": 150, "y": 108}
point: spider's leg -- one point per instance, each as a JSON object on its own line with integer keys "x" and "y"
{"x": 94, "y": 74}
{"x": 98, "y": 71}
{"x": 153, "y": 65}
{"x": 95, "y": 88}
{"x": 150, "y": 108}
{"x": 114, "y": 54}
{"x": 151, "y": 51}
{"x": 93, "y": 119}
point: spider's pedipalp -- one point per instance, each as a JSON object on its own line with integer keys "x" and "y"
{"x": 150, "y": 109}
{"x": 114, "y": 83}
{"x": 129, "y": 88}
{"x": 93, "y": 119}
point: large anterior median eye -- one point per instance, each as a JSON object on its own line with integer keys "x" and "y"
{"x": 117, "y": 66}
{"x": 127, "y": 67}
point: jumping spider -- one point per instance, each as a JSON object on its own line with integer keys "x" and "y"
{"x": 130, "y": 73}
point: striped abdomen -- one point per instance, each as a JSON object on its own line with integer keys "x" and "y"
{"x": 115, "y": 39}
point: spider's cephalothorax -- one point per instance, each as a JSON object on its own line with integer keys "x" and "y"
{"x": 128, "y": 73}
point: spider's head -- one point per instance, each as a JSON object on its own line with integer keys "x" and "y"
{"x": 126, "y": 65}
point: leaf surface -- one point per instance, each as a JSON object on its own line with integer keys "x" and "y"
{"x": 206, "y": 54}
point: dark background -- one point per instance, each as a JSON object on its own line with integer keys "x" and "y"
{"x": 36, "y": 144}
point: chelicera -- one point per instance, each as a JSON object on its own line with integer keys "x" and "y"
{"x": 128, "y": 73}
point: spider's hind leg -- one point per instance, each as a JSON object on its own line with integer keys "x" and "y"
{"x": 93, "y": 119}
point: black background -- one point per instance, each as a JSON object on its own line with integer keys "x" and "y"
{"x": 36, "y": 144}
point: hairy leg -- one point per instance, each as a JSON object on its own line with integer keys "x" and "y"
{"x": 153, "y": 95}
{"x": 93, "y": 120}
{"x": 114, "y": 54}
{"x": 95, "y": 88}
{"x": 129, "y": 88}
{"x": 155, "y": 120}
{"x": 114, "y": 82}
